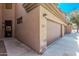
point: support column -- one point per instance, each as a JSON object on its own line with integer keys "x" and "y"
{"x": 62, "y": 30}
{"x": 43, "y": 31}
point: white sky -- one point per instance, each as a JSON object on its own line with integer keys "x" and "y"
{"x": 39, "y": 1}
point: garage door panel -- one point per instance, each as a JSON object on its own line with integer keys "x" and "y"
{"x": 53, "y": 31}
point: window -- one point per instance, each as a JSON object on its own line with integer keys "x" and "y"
{"x": 8, "y": 5}
{"x": 19, "y": 20}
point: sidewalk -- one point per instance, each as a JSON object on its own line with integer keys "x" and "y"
{"x": 66, "y": 46}
{"x": 16, "y": 48}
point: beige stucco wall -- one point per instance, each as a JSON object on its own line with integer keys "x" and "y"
{"x": 0, "y": 20}
{"x": 47, "y": 27}
{"x": 33, "y": 30}
{"x": 28, "y": 31}
{"x": 69, "y": 28}
{"x": 43, "y": 31}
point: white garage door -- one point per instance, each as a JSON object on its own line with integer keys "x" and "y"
{"x": 53, "y": 31}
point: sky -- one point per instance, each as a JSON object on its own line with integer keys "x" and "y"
{"x": 68, "y": 7}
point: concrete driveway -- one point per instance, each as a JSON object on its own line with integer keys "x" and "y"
{"x": 65, "y": 46}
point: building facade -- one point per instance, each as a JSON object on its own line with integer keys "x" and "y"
{"x": 35, "y": 24}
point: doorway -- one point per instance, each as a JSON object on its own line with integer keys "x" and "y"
{"x": 8, "y": 28}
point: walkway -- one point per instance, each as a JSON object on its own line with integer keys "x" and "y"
{"x": 16, "y": 48}
{"x": 66, "y": 46}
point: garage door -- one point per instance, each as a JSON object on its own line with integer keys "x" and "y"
{"x": 53, "y": 31}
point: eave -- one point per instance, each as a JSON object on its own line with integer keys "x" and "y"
{"x": 51, "y": 7}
